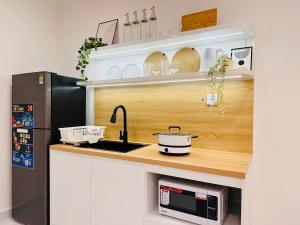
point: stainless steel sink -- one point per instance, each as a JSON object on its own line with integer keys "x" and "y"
{"x": 116, "y": 146}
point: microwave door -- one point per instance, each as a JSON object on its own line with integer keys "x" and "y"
{"x": 185, "y": 201}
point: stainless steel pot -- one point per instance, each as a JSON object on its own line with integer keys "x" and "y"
{"x": 174, "y": 142}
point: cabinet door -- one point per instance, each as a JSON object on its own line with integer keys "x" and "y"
{"x": 70, "y": 189}
{"x": 117, "y": 193}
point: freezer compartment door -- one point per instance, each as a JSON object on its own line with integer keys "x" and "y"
{"x": 34, "y": 89}
{"x": 68, "y": 102}
{"x": 30, "y": 185}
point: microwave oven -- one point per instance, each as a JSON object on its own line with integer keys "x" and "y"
{"x": 194, "y": 202}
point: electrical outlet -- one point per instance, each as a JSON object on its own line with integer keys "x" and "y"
{"x": 212, "y": 99}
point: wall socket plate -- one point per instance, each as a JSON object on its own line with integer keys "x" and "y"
{"x": 212, "y": 99}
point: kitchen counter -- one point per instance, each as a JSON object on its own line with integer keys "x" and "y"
{"x": 216, "y": 162}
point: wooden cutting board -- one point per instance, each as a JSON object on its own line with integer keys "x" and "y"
{"x": 199, "y": 20}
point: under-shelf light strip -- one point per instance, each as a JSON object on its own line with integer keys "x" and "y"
{"x": 169, "y": 44}
{"x": 159, "y": 82}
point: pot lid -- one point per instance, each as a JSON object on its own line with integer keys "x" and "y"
{"x": 177, "y": 133}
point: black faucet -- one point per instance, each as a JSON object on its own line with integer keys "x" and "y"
{"x": 124, "y": 134}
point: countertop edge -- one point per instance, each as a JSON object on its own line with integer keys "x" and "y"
{"x": 128, "y": 157}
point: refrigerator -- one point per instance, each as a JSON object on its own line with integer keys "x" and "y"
{"x": 42, "y": 102}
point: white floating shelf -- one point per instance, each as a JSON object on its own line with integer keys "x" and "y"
{"x": 185, "y": 39}
{"x": 233, "y": 74}
{"x": 155, "y": 218}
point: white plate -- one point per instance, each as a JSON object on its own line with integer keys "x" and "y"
{"x": 131, "y": 71}
{"x": 114, "y": 72}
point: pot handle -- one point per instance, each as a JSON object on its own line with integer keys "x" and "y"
{"x": 195, "y": 136}
{"x": 175, "y": 127}
{"x": 154, "y": 134}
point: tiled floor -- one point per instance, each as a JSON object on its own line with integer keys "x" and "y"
{"x": 9, "y": 222}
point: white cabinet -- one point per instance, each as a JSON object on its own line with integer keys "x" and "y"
{"x": 117, "y": 193}
{"x": 70, "y": 189}
{"x": 90, "y": 190}
{"x": 95, "y": 191}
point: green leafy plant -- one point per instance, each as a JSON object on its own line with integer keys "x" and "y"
{"x": 216, "y": 77}
{"x": 85, "y": 53}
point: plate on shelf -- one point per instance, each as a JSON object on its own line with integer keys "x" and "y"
{"x": 131, "y": 71}
{"x": 113, "y": 73}
{"x": 186, "y": 60}
{"x": 156, "y": 64}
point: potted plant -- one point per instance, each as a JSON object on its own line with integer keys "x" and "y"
{"x": 85, "y": 53}
{"x": 216, "y": 77}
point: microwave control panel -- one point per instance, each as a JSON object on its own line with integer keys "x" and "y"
{"x": 164, "y": 197}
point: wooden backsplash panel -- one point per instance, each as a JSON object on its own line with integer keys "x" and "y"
{"x": 153, "y": 108}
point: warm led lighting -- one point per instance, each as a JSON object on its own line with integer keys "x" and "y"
{"x": 234, "y": 77}
{"x": 127, "y": 83}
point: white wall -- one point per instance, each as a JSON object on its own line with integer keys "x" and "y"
{"x": 80, "y": 19}
{"x": 28, "y": 41}
{"x": 273, "y": 181}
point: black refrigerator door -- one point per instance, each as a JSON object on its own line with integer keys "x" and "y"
{"x": 67, "y": 106}
{"x": 35, "y": 89}
{"x": 30, "y": 185}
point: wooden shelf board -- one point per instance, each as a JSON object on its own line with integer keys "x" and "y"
{"x": 233, "y": 74}
{"x": 232, "y": 218}
{"x": 183, "y": 39}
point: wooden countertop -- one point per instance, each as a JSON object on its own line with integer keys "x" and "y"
{"x": 216, "y": 162}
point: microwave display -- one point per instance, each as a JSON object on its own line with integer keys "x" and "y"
{"x": 197, "y": 204}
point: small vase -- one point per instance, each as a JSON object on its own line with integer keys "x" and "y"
{"x": 136, "y": 28}
{"x": 144, "y": 26}
{"x": 127, "y": 29}
{"x": 153, "y": 24}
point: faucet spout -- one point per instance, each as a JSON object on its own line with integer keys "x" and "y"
{"x": 113, "y": 119}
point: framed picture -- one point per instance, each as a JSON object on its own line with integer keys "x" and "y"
{"x": 242, "y": 57}
{"x": 107, "y": 31}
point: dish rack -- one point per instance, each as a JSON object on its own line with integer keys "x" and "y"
{"x": 82, "y": 134}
